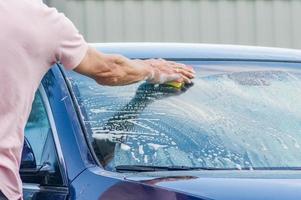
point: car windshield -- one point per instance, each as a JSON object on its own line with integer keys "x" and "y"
{"x": 236, "y": 115}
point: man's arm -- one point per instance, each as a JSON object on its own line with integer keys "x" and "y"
{"x": 113, "y": 70}
{"x": 70, "y": 48}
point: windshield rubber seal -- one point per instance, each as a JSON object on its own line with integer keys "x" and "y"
{"x": 79, "y": 114}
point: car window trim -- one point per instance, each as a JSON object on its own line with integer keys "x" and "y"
{"x": 36, "y": 188}
{"x": 61, "y": 160}
{"x": 79, "y": 114}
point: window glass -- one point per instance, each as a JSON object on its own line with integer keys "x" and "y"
{"x": 241, "y": 115}
{"x": 39, "y": 135}
{"x": 37, "y": 128}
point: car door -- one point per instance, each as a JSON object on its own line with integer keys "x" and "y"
{"x": 41, "y": 170}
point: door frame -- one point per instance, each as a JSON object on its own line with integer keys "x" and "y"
{"x": 33, "y": 190}
{"x": 57, "y": 143}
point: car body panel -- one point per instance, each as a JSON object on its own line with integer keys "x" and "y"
{"x": 99, "y": 184}
{"x": 72, "y": 141}
{"x": 238, "y": 188}
{"x": 234, "y": 185}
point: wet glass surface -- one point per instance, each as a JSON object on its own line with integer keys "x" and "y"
{"x": 37, "y": 128}
{"x": 236, "y": 115}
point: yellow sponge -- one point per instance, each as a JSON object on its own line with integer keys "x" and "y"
{"x": 175, "y": 84}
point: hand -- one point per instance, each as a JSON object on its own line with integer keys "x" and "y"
{"x": 162, "y": 71}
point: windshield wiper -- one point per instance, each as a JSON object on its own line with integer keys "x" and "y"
{"x": 149, "y": 168}
{"x": 145, "y": 168}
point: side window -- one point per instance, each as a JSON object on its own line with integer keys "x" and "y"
{"x": 44, "y": 168}
{"x": 37, "y": 128}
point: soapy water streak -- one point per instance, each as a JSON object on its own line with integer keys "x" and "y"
{"x": 242, "y": 119}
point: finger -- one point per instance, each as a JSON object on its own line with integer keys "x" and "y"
{"x": 176, "y": 63}
{"x": 186, "y": 79}
{"x": 171, "y": 77}
{"x": 185, "y": 73}
{"x": 183, "y": 66}
{"x": 189, "y": 68}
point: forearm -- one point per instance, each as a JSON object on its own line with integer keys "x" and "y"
{"x": 113, "y": 70}
{"x": 107, "y": 69}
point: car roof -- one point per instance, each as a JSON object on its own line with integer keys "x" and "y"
{"x": 184, "y": 51}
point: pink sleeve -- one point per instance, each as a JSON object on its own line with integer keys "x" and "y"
{"x": 66, "y": 44}
{"x": 71, "y": 47}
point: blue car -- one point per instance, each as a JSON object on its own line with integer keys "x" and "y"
{"x": 234, "y": 134}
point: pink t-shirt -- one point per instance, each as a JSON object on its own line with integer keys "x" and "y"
{"x": 32, "y": 38}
